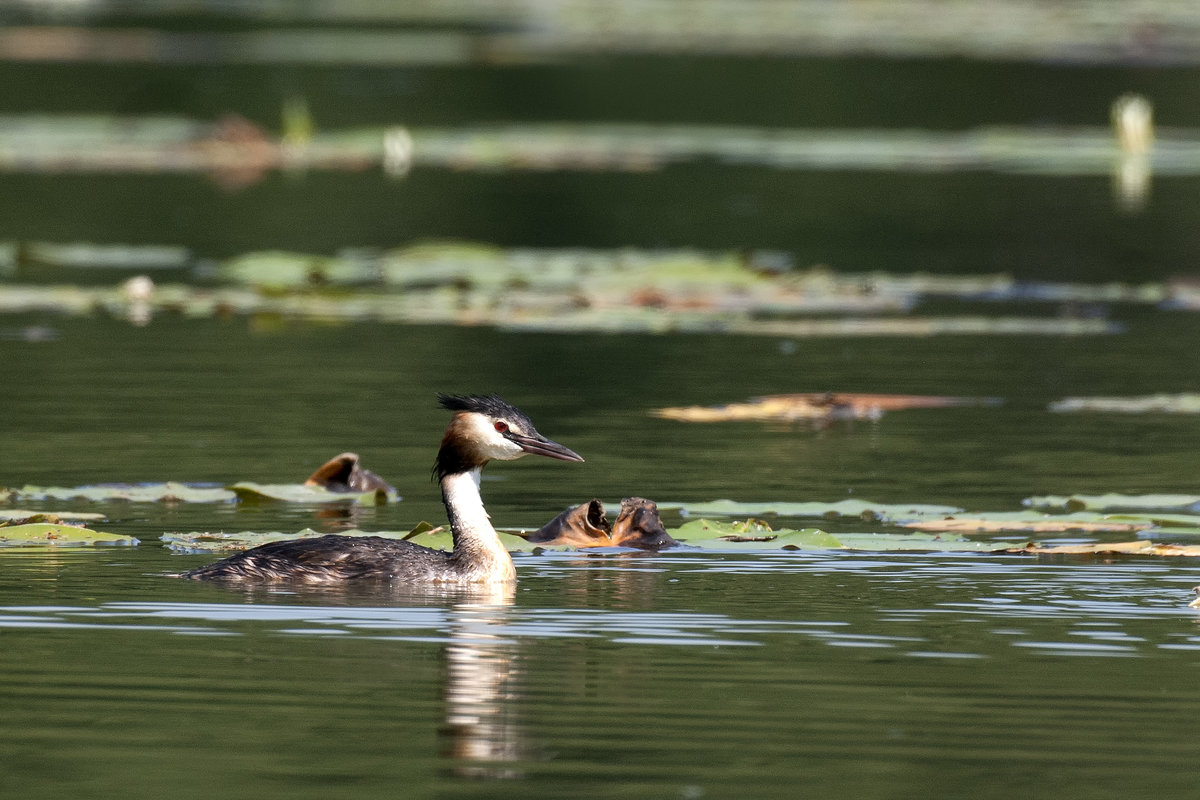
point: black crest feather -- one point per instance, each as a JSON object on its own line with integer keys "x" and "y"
{"x": 450, "y": 458}
{"x": 482, "y": 403}
{"x": 490, "y": 404}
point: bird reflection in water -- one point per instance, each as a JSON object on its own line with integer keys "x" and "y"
{"x": 483, "y": 734}
{"x": 481, "y": 731}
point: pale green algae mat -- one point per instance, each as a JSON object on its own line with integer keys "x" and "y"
{"x": 926, "y": 528}
{"x": 598, "y": 290}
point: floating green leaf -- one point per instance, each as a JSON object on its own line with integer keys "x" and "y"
{"x": 218, "y": 542}
{"x": 751, "y": 534}
{"x": 215, "y": 542}
{"x": 1138, "y": 548}
{"x": 440, "y": 538}
{"x": 1033, "y": 522}
{"x": 15, "y": 515}
{"x": 916, "y": 543}
{"x": 703, "y": 534}
{"x": 755, "y": 535}
{"x": 248, "y": 491}
{"x": 1113, "y": 502}
{"x": 424, "y": 527}
{"x": 1175, "y": 524}
{"x": 171, "y": 492}
{"x": 860, "y": 509}
{"x": 279, "y": 271}
{"x": 90, "y": 255}
{"x": 51, "y": 535}
{"x": 1146, "y": 404}
{"x": 138, "y": 493}
{"x": 818, "y": 407}
{"x": 561, "y": 289}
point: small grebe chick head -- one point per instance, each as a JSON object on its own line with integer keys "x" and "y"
{"x": 486, "y": 428}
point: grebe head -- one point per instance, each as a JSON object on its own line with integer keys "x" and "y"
{"x": 486, "y": 428}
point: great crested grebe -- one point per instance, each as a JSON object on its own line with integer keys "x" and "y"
{"x": 637, "y": 525}
{"x": 484, "y": 428}
{"x": 344, "y": 473}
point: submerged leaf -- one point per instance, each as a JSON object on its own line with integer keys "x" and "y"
{"x": 279, "y": 270}
{"x": 1187, "y": 403}
{"x": 1139, "y": 548}
{"x": 209, "y": 542}
{"x": 915, "y": 543}
{"x": 440, "y": 538}
{"x": 1027, "y": 522}
{"x": 169, "y": 492}
{"x": 218, "y": 542}
{"x": 20, "y": 515}
{"x": 57, "y": 535}
{"x": 813, "y": 407}
{"x": 754, "y": 535}
{"x": 423, "y": 527}
{"x": 248, "y": 491}
{"x": 861, "y": 509}
{"x": 756, "y": 293}
{"x": 172, "y": 492}
{"x": 1113, "y": 502}
{"x": 751, "y": 534}
{"x": 1176, "y": 524}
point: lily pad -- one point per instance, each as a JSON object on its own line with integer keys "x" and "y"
{"x": 220, "y": 542}
{"x": 860, "y": 509}
{"x": 169, "y": 492}
{"x": 756, "y": 535}
{"x": 1138, "y": 548}
{"x": 757, "y": 293}
{"x": 210, "y": 542}
{"x": 1026, "y": 522}
{"x": 1147, "y": 404}
{"x": 440, "y": 538}
{"x": 56, "y": 535}
{"x": 704, "y": 534}
{"x": 916, "y": 543}
{"x": 1175, "y": 524}
{"x": 14, "y": 515}
{"x": 1113, "y": 502}
{"x": 751, "y": 534}
{"x": 424, "y": 527}
{"x": 280, "y": 271}
{"x": 249, "y": 492}
{"x": 814, "y": 407}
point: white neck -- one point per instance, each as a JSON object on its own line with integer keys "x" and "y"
{"x": 476, "y": 544}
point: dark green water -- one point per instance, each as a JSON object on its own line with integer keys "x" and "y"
{"x": 1032, "y": 226}
{"x": 675, "y": 675}
{"x": 679, "y": 675}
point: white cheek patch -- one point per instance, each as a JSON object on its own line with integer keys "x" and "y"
{"x": 512, "y": 450}
{"x": 488, "y": 442}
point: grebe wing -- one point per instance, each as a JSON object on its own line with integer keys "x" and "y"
{"x": 322, "y": 559}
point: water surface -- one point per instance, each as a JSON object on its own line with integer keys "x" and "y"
{"x": 610, "y": 674}
{"x": 671, "y": 676}
{"x": 681, "y": 674}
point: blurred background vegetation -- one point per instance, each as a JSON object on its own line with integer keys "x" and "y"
{"x": 945, "y": 136}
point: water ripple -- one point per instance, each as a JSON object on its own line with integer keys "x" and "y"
{"x": 1078, "y": 629}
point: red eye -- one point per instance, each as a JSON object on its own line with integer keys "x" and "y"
{"x": 501, "y": 427}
